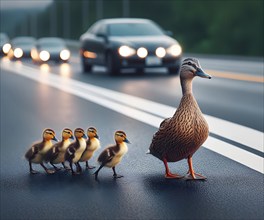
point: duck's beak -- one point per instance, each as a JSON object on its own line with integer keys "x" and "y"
{"x": 55, "y": 139}
{"x": 84, "y": 136}
{"x": 127, "y": 141}
{"x": 96, "y": 136}
{"x": 71, "y": 137}
{"x": 201, "y": 73}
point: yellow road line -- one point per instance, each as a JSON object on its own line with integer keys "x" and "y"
{"x": 236, "y": 76}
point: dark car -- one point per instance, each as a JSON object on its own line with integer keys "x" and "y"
{"x": 129, "y": 43}
{"x": 21, "y": 47}
{"x": 50, "y": 48}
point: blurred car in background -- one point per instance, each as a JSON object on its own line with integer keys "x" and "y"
{"x": 21, "y": 47}
{"x": 50, "y": 48}
{"x": 5, "y": 45}
{"x": 129, "y": 43}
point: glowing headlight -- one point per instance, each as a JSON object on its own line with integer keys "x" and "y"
{"x": 160, "y": 52}
{"x": 142, "y": 52}
{"x": 126, "y": 51}
{"x": 6, "y": 48}
{"x": 18, "y": 53}
{"x": 65, "y": 54}
{"x": 44, "y": 55}
{"x": 175, "y": 50}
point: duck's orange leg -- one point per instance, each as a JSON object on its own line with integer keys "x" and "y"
{"x": 168, "y": 174}
{"x": 191, "y": 175}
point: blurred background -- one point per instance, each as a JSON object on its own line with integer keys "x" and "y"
{"x": 233, "y": 27}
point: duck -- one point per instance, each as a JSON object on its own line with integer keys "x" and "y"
{"x": 112, "y": 155}
{"x": 76, "y": 149}
{"x": 36, "y": 153}
{"x": 56, "y": 154}
{"x": 180, "y": 136}
{"x": 92, "y": 144}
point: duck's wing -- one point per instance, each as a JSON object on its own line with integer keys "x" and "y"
{"x": 106, "y": 156}
{"x": 33, "y": 151}
{"x": 69, "y": 155}
{"x": 164, "y": 123}
{"x": 52, "y": 153}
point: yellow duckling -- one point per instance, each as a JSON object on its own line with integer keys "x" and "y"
{"x": 92, "y": 144}
{"x": 36, "y": 154}
{"x": 180, "y": 136}
{"x": 76, "y": 149}
{"x": 112, "y": 155}
{"x": 56, "y": 154}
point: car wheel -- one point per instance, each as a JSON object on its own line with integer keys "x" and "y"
{"x": 173, "y": 70}
{"x": 112, "y": 67}
{"x": 86, "y": 67}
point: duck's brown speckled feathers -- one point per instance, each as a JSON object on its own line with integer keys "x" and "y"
{"x": 107, "y": 155}
{"x": 181, "y": 136}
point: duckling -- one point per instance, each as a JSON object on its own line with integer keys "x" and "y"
{"x": 76, "y": 149}
{"x": 180, "y": 136}
{"x": 112, "y": 155}
{"x": 56, "y": 154}
{"x": 92, "y": 144}
{"x": 38, "y": 150}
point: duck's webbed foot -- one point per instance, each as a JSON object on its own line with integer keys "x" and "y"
{"x": 194, "y": 176}
{"x": 168, "y": 174}
{"x": 191, "y": 175}
{"x": 115, "y": 175}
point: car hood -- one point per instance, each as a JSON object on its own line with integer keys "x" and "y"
{"x": 144, "y": 41}
{"x": 52, "y": 49}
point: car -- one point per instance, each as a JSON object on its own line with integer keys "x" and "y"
{"x": 5, "y": 45}
{"x": 50, "y": 49}
{"x": 21, "y": 47}
{"x": 120, "y": 43}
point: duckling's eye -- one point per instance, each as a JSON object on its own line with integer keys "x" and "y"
{"x": 189, "y": 63}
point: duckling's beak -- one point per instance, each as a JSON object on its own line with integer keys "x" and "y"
{"x": 127, "y": 141}
{"x": 84, "y": 136}
{"x": 55, "y": 139}
{"x": 96, "y": 136}
{"x": 71, "y": 137}
{"x": 201, "y": 73}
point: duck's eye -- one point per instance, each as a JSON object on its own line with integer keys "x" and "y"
{"x": 189, "y": 63}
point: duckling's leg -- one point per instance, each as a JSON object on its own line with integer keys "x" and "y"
{"x": 168, "y": 174}
{"x": 115, "y": 174}
{"x": 56, "y": 168}
{"x": 31, "y": 170}
{"x": 65, "y": 167}
{"x": 78, "y": 168}
{"x": 73, "y": 172}
{"x": 48, "y": 171}
{"x": 97, "y": 171}
{"x": 89, "y": 167}
{"x": 191, "y": 175}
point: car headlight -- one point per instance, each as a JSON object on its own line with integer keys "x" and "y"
{"x": 126, "y": 51}
{"x": 44, "y": 55}
{"x": 142, "y": 52}
{"x": 175, "y": 50}
{"x": 160, "y": 52}
{"x": 18, "y": 53}
{"x": 65, "y": 55}
{"x": 6, "y": 48}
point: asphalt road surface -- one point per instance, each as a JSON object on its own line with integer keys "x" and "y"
{"x": 58, "y": 96}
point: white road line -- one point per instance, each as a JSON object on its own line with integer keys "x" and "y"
{"x": 140, "y": 109}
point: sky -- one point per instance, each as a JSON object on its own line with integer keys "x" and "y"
{"x": 23, "y": 4}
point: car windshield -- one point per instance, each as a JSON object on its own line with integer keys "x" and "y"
{"x": 134, "y": 29}
{"x": 51, "y": 43}
{"x": 23, "y": 40}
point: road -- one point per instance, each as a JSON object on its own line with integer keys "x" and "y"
{"x": 58, "y": 96}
